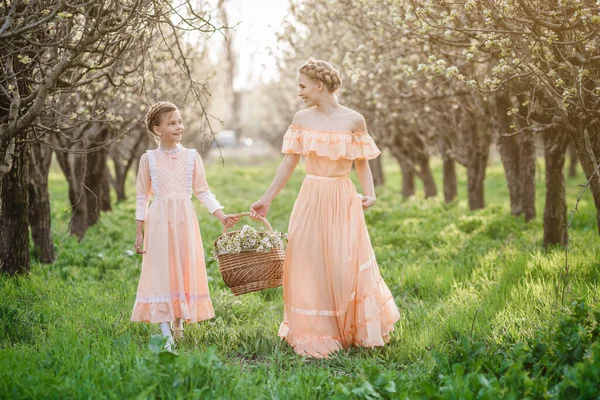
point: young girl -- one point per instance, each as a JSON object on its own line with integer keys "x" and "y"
{"x": 333, "y": 293}
{"x": 173, "y": 285}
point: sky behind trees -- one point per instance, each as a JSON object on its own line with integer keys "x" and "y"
{"x": 254, "y": 39}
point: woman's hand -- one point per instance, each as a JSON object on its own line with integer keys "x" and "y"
{"x": 367, "y": 202}
{"x": 227, "y": 220}
{"x": 261, "y": 208}
{"x": 139, "y": 241}
{"x": 230, "y": 220}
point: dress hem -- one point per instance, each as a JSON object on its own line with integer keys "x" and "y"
{"x": 155, "y": 313}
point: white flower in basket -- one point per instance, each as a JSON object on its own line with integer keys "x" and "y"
{"x": 249, "y": 239}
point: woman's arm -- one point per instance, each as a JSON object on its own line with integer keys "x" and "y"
{"x": 363, "y": 170}
{"x": 287, "y": 166}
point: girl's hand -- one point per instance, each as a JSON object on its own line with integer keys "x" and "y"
{"x": 229, "y": 220}
{"x": 367, "y": 202}
{"x": 139, "y": 241}
{"x": 261, "y": 208}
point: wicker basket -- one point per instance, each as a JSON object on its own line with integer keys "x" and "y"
{"x": 250, "y": 271}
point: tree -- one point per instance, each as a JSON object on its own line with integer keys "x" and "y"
{"x": 52, "y": 48}
{"x": 543, "y": 53}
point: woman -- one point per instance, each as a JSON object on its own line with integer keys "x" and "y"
{"x": 333, "y": 293}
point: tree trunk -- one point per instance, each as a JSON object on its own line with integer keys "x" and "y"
{"x": 476, "y": 178}
{"x": 424, "y": 173}
{"x": 478, "y": 153}
{"x": 105, "y": 199}
{"x": 589, "y": 162}
{"x": 474, "y": 140}
{"x": 74, "y": 166}
{"x": 96, "y": 181}
{"x": 508, "y": 147}
{"x": 448, "y": 169}
{"x": 123, "y": 165}
{"x": 509, "y": 155}
{"x": 118, "y": 183}
{"x": 39, "y": 202}
{"x": 232, "y": 62}
{"x": 87, "y": 175}
{"x": 555, "y": 210}
{"x": 527, "y": 174}
{"x": 14, "y": 214}
{"x": 377, "y": 171}
{"x": 408, "y": 177}
{"x": 573, "y": 160}
{"x": 450, "y": 186}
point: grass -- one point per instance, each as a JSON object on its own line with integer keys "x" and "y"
{"x": 474, "y": 289}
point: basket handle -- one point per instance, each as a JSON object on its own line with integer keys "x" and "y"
{"x": 247, "y": 214}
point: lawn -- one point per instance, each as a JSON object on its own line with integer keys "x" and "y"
{"x": 481, "y": 302}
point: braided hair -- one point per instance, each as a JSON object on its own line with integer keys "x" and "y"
{"x": 154, "y": 116}
{"x": 322, "y": 71}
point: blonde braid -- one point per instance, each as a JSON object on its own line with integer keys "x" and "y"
{"x": 154, "y": 115}
{"x": 322, "y": 71}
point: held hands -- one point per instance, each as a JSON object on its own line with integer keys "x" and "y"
{"x": 367, "y": 201}
{"x": 261, "y": 208}
{"x": 139, "y": 240}
{"x": 227, "y": 220}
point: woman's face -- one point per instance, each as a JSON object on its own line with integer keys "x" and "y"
{"x": 309, "y": 89}
{"x": 170, "y": 129}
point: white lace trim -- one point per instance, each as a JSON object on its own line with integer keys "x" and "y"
{"x": 327, "y": 313}
{"x": 190, "y": 171}
{"x": 153, "y": 176}
{"x": 209, "y": 200}
{"x": 172, "y": 151}
{"x": 184, "y": 297}
{"x": 368, "y": 264}
{"x": 141, "y": 207}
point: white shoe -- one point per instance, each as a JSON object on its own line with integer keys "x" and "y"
{"x": 170, "y": 345}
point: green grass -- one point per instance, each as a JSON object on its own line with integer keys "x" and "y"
{"x": 480, "y": 302}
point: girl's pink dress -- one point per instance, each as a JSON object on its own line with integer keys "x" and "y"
{"x": 173, "y": 283}
{"x": 333, "y": 293}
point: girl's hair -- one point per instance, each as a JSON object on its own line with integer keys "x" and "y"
{"x": 322, "y": 71}
{"x": 154, "y": 115}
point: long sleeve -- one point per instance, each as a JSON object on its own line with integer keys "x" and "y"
{"x": 142, "y": 189}
{"x": 201, "y": 189}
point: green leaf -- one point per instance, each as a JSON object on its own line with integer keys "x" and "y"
{"x": 167, "y": 357}
{"x": 156, "y": 344}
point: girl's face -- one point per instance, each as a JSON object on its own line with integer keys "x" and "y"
{"x": 310, "y": 90}
{"x": 170, "y": 129}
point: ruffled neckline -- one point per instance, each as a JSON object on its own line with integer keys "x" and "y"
{"x": 178, "y": 147}
{"x": 333, "y": 145}
{"x": 306, "y": 128}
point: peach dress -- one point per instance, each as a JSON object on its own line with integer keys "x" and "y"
{"x": 173, "y": 283}
{"x": 334, "y": 295}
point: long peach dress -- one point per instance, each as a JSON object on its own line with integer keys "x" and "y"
{"x": 173, "y": 282}
{"x": 334, "y": 295}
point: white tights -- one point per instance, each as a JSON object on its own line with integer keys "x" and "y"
{"x": 165, "y": 329}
